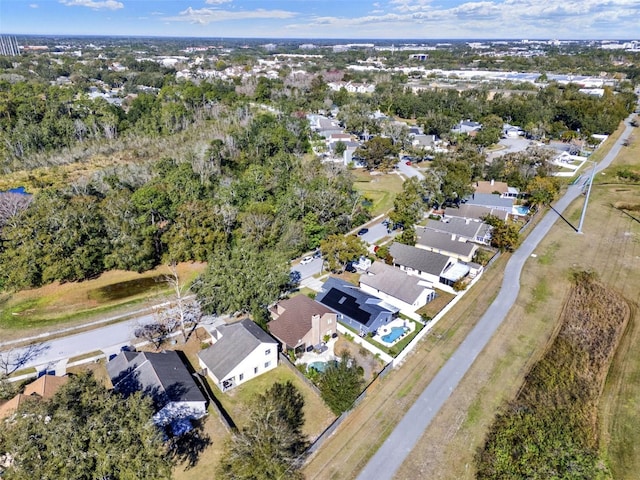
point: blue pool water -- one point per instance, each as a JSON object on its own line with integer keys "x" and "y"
{"x": 396, "y": 332}
{"x": 522, "y": 210}
{"x": 319, "y": 366}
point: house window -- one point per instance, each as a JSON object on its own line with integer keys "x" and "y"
{"x": 255, "y": 370}
{"x": 241, "y": 377}
{"x": 266, "y": 364}
{"x": 329, "y": 321}
{"x": 267, "y": 352}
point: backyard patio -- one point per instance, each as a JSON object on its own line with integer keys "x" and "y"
{"x": 391, "y": 333}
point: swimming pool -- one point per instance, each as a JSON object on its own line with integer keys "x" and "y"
{"x": 319, "y": 366}
{"x": 396, "y": 332}
{"x": 522, "y": 210}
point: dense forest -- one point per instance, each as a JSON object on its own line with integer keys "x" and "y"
{"x": 237, "y": 179}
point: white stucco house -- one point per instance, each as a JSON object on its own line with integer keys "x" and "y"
{"x": 240, "y": 351}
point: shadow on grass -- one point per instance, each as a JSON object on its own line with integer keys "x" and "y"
{"x": 130, "y": 288}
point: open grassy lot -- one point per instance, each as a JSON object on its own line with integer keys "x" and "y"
{"x": 33, "y": 311}
{"x": 381, "y": 189}
{"x": 610, "y": 246}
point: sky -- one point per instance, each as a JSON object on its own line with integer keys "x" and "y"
{"x": 348, "y": 19}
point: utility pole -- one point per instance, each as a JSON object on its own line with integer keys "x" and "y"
{"x": 586, "y": 200}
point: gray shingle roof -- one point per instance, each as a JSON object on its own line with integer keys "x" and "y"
{"x": 489, "y": 200}
{"x": 443, "y": 241}
{"x": 418, "y": 259}
{"x": 393, "y": 282}
{"x": 238, "y": 340}
{"x": 162, "y": 375}
{"x": 474, "y": 212}
{"x": 459, "y": 226}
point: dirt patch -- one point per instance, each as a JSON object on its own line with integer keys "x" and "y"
{"x": 363, "y": 357}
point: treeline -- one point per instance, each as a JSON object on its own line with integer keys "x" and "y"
{"x": 550, "y": 430}
{"x": 551, "y": 111}
{"x": 38, "y": 118}
{"x": 253, "y": 190}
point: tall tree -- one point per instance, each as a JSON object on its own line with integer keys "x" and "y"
{"x": 242, "y": 279}
{"x": 341, "y": 383}
{"x": 271, "y": 444}
{"x": 84, "y": 432}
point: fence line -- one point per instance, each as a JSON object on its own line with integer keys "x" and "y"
{"x": 385, "y": 357}
{"x": 287, "y": 361}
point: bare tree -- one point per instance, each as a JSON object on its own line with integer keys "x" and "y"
{"x": 184, "y": 308}
{"x": 11, "y": 204}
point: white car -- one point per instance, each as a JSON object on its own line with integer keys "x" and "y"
{"x": 305, "y": 260}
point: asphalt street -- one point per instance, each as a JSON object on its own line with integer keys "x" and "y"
{"x": 400, "y": 443}
{"x": 47, "y": 355}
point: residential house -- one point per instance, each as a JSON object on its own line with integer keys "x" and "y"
{"x": 300, "y": 322}
{"x": 439, "y": 270}
{"x": 511, "y": 131}
{"x": 44, "y": 387}
{"x": 165, "y": 378}
{"x": 473, "y": 212}
{"x": 466, "y": 126}
{"x": 490, "y": 201}
{"x": 361, "y": 311}
{"x": 240, "y": 351}
{"x": 493, "y": 187}
{"x": 396, "y": 287}
{"x": 445, "y": 243}
{"x": 470, "y": 230}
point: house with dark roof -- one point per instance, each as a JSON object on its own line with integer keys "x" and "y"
{"x": 240, "y": 351}
{"x": 162, "y": 376}
{"x": 357, "y": 309}
{"x": 468, "y": 229}
{"x": 300, "y": 322}
{"x": 396, "y": 287}
{"x": 439, "y": 270}
{"x": 445, "y": 243}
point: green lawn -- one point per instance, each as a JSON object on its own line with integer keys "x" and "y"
{"x": 238, "y": 402}
{"x": 380, "y": 189}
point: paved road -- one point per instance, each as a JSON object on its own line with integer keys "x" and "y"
{"x": 48, "y": 354}
{"x": 399, "y": 444}
{"x": 409, "y": 171}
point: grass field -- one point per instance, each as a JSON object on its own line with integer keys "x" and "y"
{"x": 610, "y": 246}
{"x": 380, "y": 189}
{"x": 30, "y": 312}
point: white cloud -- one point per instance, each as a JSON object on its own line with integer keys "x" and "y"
{"x": 34, "y": 5}
{"x": 205, "y": 16}
{"x": 483, "y": 19}
{"x": 217, "y": 2}
{"x": 96, "y": 5}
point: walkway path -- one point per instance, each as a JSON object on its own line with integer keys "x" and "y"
{"x": 400, "y": 443}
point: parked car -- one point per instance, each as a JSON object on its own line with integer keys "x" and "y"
{"x": 305, "y": 260}
{"x": 362, "y": 231}
{"x": 408, "y": 163}
{"x": 317, "y": 254}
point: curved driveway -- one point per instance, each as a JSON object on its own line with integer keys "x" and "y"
{"x": 399, "y": 444}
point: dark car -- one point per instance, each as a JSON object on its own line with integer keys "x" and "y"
{"x": 362, "y": 231}
{"x": 350, "y": 268}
